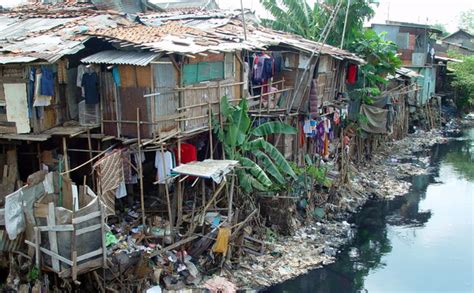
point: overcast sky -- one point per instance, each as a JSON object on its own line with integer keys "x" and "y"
{"x": 422, "y": 11}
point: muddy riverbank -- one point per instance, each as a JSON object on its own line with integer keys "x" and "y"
{"x": 317, "y": 244}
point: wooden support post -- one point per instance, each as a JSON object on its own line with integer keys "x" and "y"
{"x": 37, "y": 248}
{"x": 140, "y": 168}
{"x": 89, "y": 145}
{"x": 102, "y": 228}
{"x": 52, "y": 237}
{"x": 231, "y": 198}
{"x": 211, "y": 144}
{"x": 65, "y": 156}
{"x": 179, "y": 191}
{"x": 74, "y": 244}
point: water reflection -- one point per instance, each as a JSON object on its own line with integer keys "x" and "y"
{"x": 390, "y": 232}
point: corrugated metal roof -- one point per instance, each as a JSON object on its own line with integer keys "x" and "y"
{"x": 127, "y": 6}
{"x": 121, "y": 57}
{"x": 16, "y": 59}
{"x": 49, "y": 32}
{"x": 198, "y": 32}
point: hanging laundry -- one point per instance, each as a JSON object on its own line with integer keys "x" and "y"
{"x": 267, "y": 68}
{"x": 47, "y": 81}
{"x": 116, "y": 75}
{"x": 31, "y": 91}
{"x": 258, "y": 65}
{"x": 351, "y": 73}
{"x": 90, "y": 84}
{"x": 121, "y": 190}
{"x": 278, "y": 59}
{"x": 188, "y": 153}
{"x": 110, "y": 172}
{"x": 163, "y": 164}
{"x": 81, "y": 69}
{"x": 39, "y": 99}
{"x": 336, "y": 118}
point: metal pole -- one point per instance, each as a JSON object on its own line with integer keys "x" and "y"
{"x": 345, "y": 23}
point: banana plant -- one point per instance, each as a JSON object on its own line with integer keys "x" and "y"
{"x": 262, "y": 163}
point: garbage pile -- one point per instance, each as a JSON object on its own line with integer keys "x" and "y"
{"x": 385, "y": 176}
{"x": 312, "y": 246}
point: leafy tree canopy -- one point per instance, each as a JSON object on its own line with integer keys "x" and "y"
{"x": 466, "y": 20}
{"x": 298, "y": 17}
{"x": 463, "y": 80}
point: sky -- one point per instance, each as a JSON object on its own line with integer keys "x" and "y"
{"x": 445, "y": 12}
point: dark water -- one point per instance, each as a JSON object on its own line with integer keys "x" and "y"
{"x": 422, "y": 242}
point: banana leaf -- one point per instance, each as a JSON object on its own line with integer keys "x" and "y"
{"x": 226, "y": 109}
{"x": 238, "y": 125}
{"x": 274, "y": 153}
{"x": 269, "y": 166}
{"x": 248, "y": 183}
{"x": 272, "y": 128}
{"x": 256, "y": 171}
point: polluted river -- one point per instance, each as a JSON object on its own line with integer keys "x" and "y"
{"x": 421, "y": 242}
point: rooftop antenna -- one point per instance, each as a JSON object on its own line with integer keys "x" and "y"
{"x": 243, "y": 20}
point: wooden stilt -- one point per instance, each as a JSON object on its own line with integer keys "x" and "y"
{"x": 89, "y": 145}
{"x": 140, "y": 168}
{"x": 65, "y": 156}
{"x": 211, "y": 144}
{"x": 179, "y": 191}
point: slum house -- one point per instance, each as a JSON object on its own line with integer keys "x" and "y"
{"x": 40, "y": 93}
{"x": 43, "y": 117}
{"x": 416, "y": 45}
{"x": 461, "y": 38}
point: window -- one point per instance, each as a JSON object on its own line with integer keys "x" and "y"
{"x": 203, "y": 71}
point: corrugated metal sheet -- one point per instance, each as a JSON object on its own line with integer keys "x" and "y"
{"x": 8, "y": 245}
{"x": 166, "y": 103}
{"x": 16, "y": 59}
{"x": 18, "y": 28}
{"x": 121, "y": 58}
{"x": 128, "y": 6}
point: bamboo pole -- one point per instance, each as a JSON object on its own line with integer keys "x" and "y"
{"x": 65, "y": 156}
{"x": 140, "y": 169}
{"x": 211, "y": 143}
{"x": 179, "y": 190}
